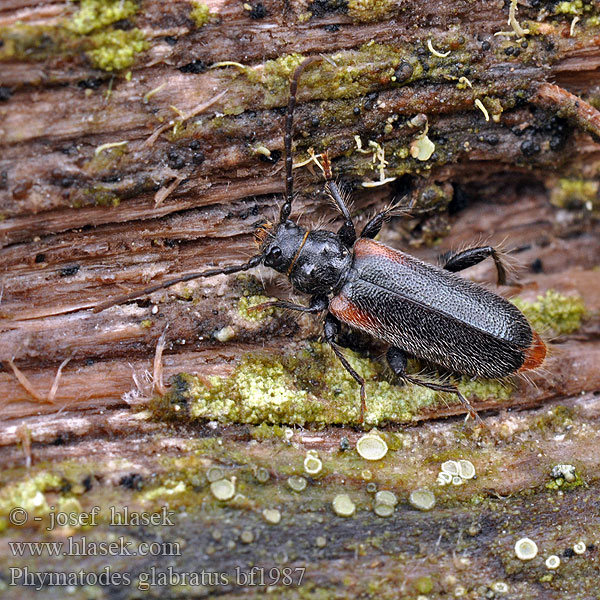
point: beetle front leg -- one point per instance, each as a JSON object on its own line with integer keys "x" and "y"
{"x": 473, "y": 256}
{"x": 397, "y": 361}
{"x": 331, "y": 329}
{"x": 317, "y": 304}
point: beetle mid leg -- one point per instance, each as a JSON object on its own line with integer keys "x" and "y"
{"x": 473, "y": 256}
{"x": 397, "y": 361}
{"x": 317, "y": 304}
{"x": 331, "y": 329}
{"x": 373, "y": 227}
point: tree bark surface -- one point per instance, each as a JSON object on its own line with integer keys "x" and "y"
{"x": 118, "y": 175}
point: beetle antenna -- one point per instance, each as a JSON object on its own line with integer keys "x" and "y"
{"x": 253, "y": 262}
{"x": 286, "y": 209}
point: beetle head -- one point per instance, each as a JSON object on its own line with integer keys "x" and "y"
{"x": 281, "y": 245}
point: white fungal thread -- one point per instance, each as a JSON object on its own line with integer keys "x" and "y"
{"x": 482, "y": 108}
{"x": 435, "y": 52}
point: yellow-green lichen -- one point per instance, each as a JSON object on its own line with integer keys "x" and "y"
{"x": 575, "y": 193}
{"x": 308, "y": 386}
{"x": 575, "y": 7}
{"x": 94, "y": 14}
{"x": 200, "y": 13}
{"x": 29, "y": 494}
{"x": 365, "y": 11}
{"x": 89, "y": 31}
{"x": 553, "y": 312}
{"x": 246, "y": 302}
{"x": 116, "y": 49}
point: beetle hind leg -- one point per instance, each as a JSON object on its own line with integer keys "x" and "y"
{"x": 397, "y": 361}
{"x": 331, "y": 330}
{"x": 473, "y": 256}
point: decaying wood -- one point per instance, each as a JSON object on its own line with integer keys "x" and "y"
{"x": 111, "y": 182}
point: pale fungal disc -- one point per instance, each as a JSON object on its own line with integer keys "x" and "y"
{"x": 321, "y": 541}
{"x": 214, "y": 474}
{"x": 444, "y": 478}
{"x": 553, "y": 562}
{"x": 422, "y": 148}
{"x": 451, "y": 467}
{"x": 526, "y": 549}
{"x": 271, "y": 515}
{"x": 371, "y": 447}
{"x": 386, "y": 497}
{"x": 500, "y": 587}
{"x": 262, "y": 475}
{"x": 579, "y": 548}
{"x": 422, "y": 499}
{"x": 457, "y": 480}
{"x": 247, "y": 536}
{"x": 297, "y": 483}
{"x": 384, "y": 510}
{"x": 466, "y": 469}
{"x": 223, "y": 489}
{"x": 312, "y": 464}
{"x": 343, "y": 505}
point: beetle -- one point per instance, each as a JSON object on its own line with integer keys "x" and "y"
{"x": 419, "y": 309}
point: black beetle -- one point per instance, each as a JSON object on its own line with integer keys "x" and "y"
{"x": 419, "y": 309}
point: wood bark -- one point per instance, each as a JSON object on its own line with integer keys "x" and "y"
{"x": 82, "y": 222}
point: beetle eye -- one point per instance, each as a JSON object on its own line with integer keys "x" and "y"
{"x": 274, "y": 254}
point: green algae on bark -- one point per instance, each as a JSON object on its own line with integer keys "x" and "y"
{"x": 309, "y": 386}
{"x": 90, "y": 30}
{"x": 553, "y": 312}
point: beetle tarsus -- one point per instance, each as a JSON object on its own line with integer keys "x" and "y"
{"x": 473, "y": 256}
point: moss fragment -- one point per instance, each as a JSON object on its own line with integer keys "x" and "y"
{"x": 553, "y": 312}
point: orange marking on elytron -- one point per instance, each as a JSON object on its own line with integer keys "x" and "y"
{"x": 348, "y": 312}
{"x": 535, "y": 354}
{"x": 366, "y": 247}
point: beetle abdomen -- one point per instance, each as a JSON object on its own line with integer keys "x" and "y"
{"x": 434, "y": 314}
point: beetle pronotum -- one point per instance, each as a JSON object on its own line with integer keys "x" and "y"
{"x": 417, "y": 308}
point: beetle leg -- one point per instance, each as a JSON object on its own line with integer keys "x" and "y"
{"x": 347, "y": 232}
{"x": 397, "y": 360}
{"x": 373, "y": 227}
{"x": 331, "y": 329}
{"x": 317, "y": 304}
{"x": 472, "y": 256}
